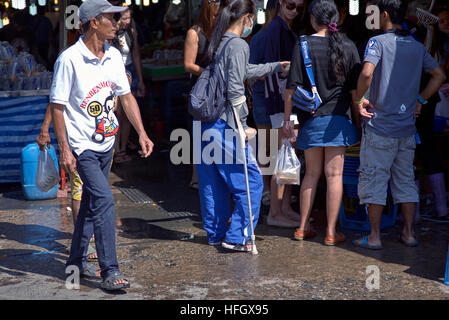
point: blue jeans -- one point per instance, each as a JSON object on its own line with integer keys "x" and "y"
{"x": 96, "y": 215}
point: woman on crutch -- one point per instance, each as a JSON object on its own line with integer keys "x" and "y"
{"x": 219, "y": 178}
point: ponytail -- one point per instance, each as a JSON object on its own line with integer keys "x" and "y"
{"x": 228, "y": 15}
{"x": 338, "y": 57}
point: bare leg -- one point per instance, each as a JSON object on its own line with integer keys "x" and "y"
{"x": 194, "y": 178}
{"x": 277, "y": 195}
{"x": 375, "y": 219}
{"x": 266, "y": 178}
{"x": 408, "y": 212}
{"x": 75, "y": 209}
{"x": 287, "y": 209}
{"x": 314, "y": 167}
{"x": 333, "y": 169}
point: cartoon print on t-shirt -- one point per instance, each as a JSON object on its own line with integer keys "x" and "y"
{"x": 105, "y": 126}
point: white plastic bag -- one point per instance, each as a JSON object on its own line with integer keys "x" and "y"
{"x": 46, "y": 175}
{"x": 288, "y": 166}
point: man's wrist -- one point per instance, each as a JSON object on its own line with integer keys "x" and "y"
{"x": 422, "y": 100}
{"x": 359, "y": 101}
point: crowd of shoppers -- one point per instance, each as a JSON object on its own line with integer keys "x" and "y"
{"x": 384, "y": 121}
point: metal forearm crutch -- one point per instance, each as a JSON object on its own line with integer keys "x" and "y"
{"x": 242, "y": 137}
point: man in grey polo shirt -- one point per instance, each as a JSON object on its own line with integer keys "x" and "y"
{"x": 392, "y": 69}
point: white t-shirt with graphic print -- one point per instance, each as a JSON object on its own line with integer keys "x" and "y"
{"x": 86, "y": 87}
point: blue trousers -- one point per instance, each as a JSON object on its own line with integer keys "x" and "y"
{"x": 219, "y": 181}
{"x": 96, "y": 215}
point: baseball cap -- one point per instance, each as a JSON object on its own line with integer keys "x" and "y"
{"x": 92, "y": 8}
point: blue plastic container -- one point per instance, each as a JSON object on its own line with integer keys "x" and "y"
{"x": 357, "y": 216}
{"x": 439, "y": 124}
{"x": 28, "y": 166}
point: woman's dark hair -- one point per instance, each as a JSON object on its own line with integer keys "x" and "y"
{"x": 325, "y": 12}
{"x": 206, "y": 18}
{"x": 128, "y": 32}
{"x": 228, "y": 15}
{"x": 440, "y": 38}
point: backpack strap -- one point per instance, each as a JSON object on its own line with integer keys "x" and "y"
{"x": 219, "y": 54}
{"x": 307, "y": 62}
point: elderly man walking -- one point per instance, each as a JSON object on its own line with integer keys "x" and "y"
{"x": 87, "y": 77}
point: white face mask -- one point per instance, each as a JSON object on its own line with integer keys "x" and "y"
{"x": 247, "y": 30}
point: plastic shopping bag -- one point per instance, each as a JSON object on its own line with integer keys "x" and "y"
{"x": 288, "y": 166}
{"x": 46, "y": 176}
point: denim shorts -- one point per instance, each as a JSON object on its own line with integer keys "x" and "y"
{"x": 384, "y": 159}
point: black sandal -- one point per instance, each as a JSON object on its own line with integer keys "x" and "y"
{"x": 108, "y": 283}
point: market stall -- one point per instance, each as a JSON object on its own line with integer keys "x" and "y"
{"x": 163, "y": 67}
{"x": 21, "y": 114}
{"x": 24, "y": 90}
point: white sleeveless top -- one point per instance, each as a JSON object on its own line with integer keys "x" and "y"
{"x": 125, "y": 50}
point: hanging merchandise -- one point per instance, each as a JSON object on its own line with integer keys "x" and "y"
{"x": 260, "y": 16}
{"x": 42, "y": 2}
{"x": 427, "y": 19}
{"x": 14, "y": 4}
{"x": 32, "y": 9}
{"x": 354, "y": 7}
{"x": 21, "y": 4}
{"x": 5, "y": 21}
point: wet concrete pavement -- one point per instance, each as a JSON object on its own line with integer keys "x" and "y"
{"x": 163, "y": 251}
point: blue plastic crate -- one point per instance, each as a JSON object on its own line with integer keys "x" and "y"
{"x": 356, "y": 215}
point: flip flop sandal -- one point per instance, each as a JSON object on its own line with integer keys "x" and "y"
{"x": 408, "y": 244}
{"x": 193, "y": 185}
{"x": 365, "y": 244}
{"x": 90, "y": 250}
{"x": 108, "y": 283}
{"x": 89, "y": 272}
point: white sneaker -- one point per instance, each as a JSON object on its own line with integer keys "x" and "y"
{"x": 237, "y": 247}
